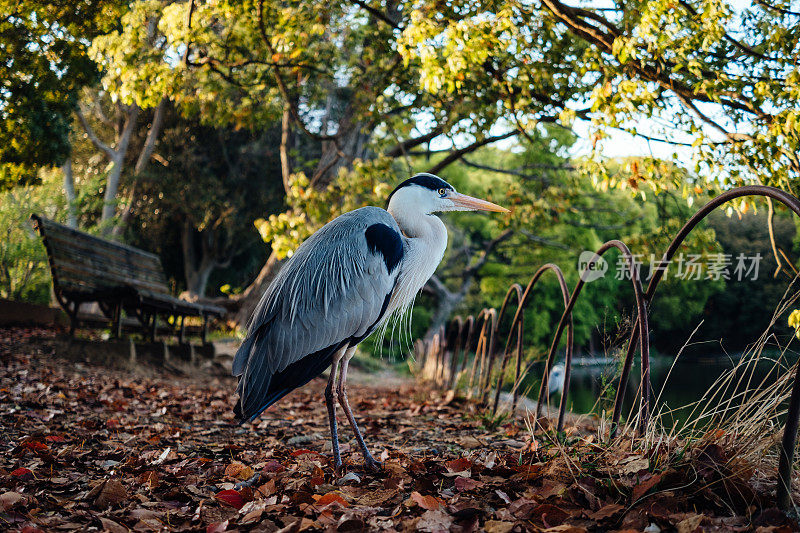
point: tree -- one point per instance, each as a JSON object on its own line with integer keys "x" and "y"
{"x": 121, "y": 128}
{"x": 330, "y": 73}
{"x": 356, "y": 81}
{"x": 720, "y": 81}
{"x": 203, "y": 198}
{"x": 45, "y": 64}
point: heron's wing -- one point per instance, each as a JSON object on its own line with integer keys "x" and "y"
{"x": 332, "y": 292}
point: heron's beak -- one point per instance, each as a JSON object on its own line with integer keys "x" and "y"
{"x": 468, "y": 203}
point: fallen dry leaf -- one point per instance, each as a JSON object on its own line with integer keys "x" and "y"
{"x": 463, "y": 484}
{"x": 565, "y": 528}
{"x": 239, "y": 471}
{"x": 549, "y": 515}
{"x": 458, "y": 466}
{"x": 633, "y": 465}
{"x": 10, "y": 499}
{"x": 108, "y": 493}
{"x": 607, "y": 511}
{"x": 231, "y": 498}
{"x": 329, "y": 498}
{"x": 426, "y": 502}
{"x": 690, "y": 524}
{"x": 498, "y": 526}
{"x": 435, "y": 521}
{"x": 219, "y": 527}
{"x": 139, "y": 440}
{"x": 111, "y": 526}
{"x": 470, "y": 442}
{"x": 375, "y": 498}
{"x": 24, "y": 473}
{"x": 642, "y": 488}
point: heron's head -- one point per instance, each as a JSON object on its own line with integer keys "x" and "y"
{"x": 428, "y": 194}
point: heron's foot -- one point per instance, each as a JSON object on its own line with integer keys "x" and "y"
{"x": 373, "y": 465}
{"x": 338, "y": 466}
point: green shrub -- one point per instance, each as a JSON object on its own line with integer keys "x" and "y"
{"x": 24, "y": 272}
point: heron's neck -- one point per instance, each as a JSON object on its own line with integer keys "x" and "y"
{"x": 425, "y": 240}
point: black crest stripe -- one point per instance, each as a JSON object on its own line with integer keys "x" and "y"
{"x": 429, "y": 181}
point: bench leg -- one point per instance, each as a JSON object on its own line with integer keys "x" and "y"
{"x": 204, "y": 334}
{"x": 118, "y": 320}
{"x": 182, "y": 334}
{"x": 153, "y": 328}
{"x": 72, "y": 312}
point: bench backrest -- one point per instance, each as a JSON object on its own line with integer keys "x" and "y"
{"x": 83, "y": 263}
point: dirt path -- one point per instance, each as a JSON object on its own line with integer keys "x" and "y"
{"x": 90, "y": 448}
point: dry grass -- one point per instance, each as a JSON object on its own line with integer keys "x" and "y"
{"x": 727, "y": 448}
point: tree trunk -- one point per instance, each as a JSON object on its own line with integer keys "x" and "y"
{"x": 197, "y": 280}
{"x": 444, "y": 310}
{"x": 286, "y": 169}
{"x": 112, "y": 186}
{"x": 252, "y": 295}
{"x": 197, "y": 267}
{"x": 69, "y": 192}
{"x": 118, "y": 159}
{"x": 142, "y": 162}
{"x": 335, "y": 155}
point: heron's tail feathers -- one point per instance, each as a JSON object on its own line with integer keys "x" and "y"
{"x": 260, "y": 389}
{"x": 242, "y": 355}
{"x": 237, "y": 411}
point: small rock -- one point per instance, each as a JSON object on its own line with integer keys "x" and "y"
{"x": 350, "y": 477}
{"x": 302, "y": 439}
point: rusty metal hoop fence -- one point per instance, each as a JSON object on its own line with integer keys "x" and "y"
{"x": 444, "y": 358}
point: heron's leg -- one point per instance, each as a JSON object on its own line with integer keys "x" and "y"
{"x": 341, "y": 392}
{"x": 331, "y": 404}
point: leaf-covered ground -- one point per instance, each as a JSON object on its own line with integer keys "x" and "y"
{"x": 91, "y": 448}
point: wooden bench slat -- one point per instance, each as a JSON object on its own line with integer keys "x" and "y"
{"x": 55, "y": 228}
{"x": 77, "y": 274}
{"x": 65, "y": 244}
{"x": 118, "y": 270}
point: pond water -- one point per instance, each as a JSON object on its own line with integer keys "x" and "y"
{"x": 676, "y": 387}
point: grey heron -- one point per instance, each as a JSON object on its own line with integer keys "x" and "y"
{"x": 555, "y": 383}
{"x": 340, "y": 285}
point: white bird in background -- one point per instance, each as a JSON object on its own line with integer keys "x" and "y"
{"x": 555, "y": 383}
{"x": 340, "y": 285}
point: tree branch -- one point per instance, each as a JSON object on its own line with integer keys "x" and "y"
{"x": 100, "y": 145}
{"x": 438, "y": 287}
{"x": 778, "y": 9}
{"x": 286, "y": 169}
{"x": 98, "y": 110}
{"x": 458, "y": 154}
{"x": 152, "y": 136}
{"x": 282, "y": 87}
{"x": 405, "y": 146}
{"x": 659, "y": 73}
{"x": 516, "y": 172}
{"x": 487, "y": 250}
{"x": 545, "y": 242}
{"x": 185, "y": 58}
{"x": 377, "y": 14}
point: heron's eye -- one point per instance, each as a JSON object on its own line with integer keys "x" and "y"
{"x": 442, "y": 192}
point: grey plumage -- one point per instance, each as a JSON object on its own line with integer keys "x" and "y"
{"x": 333, "y": 290}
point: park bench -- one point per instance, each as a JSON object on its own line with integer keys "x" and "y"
{"x": 117, "y": 277}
